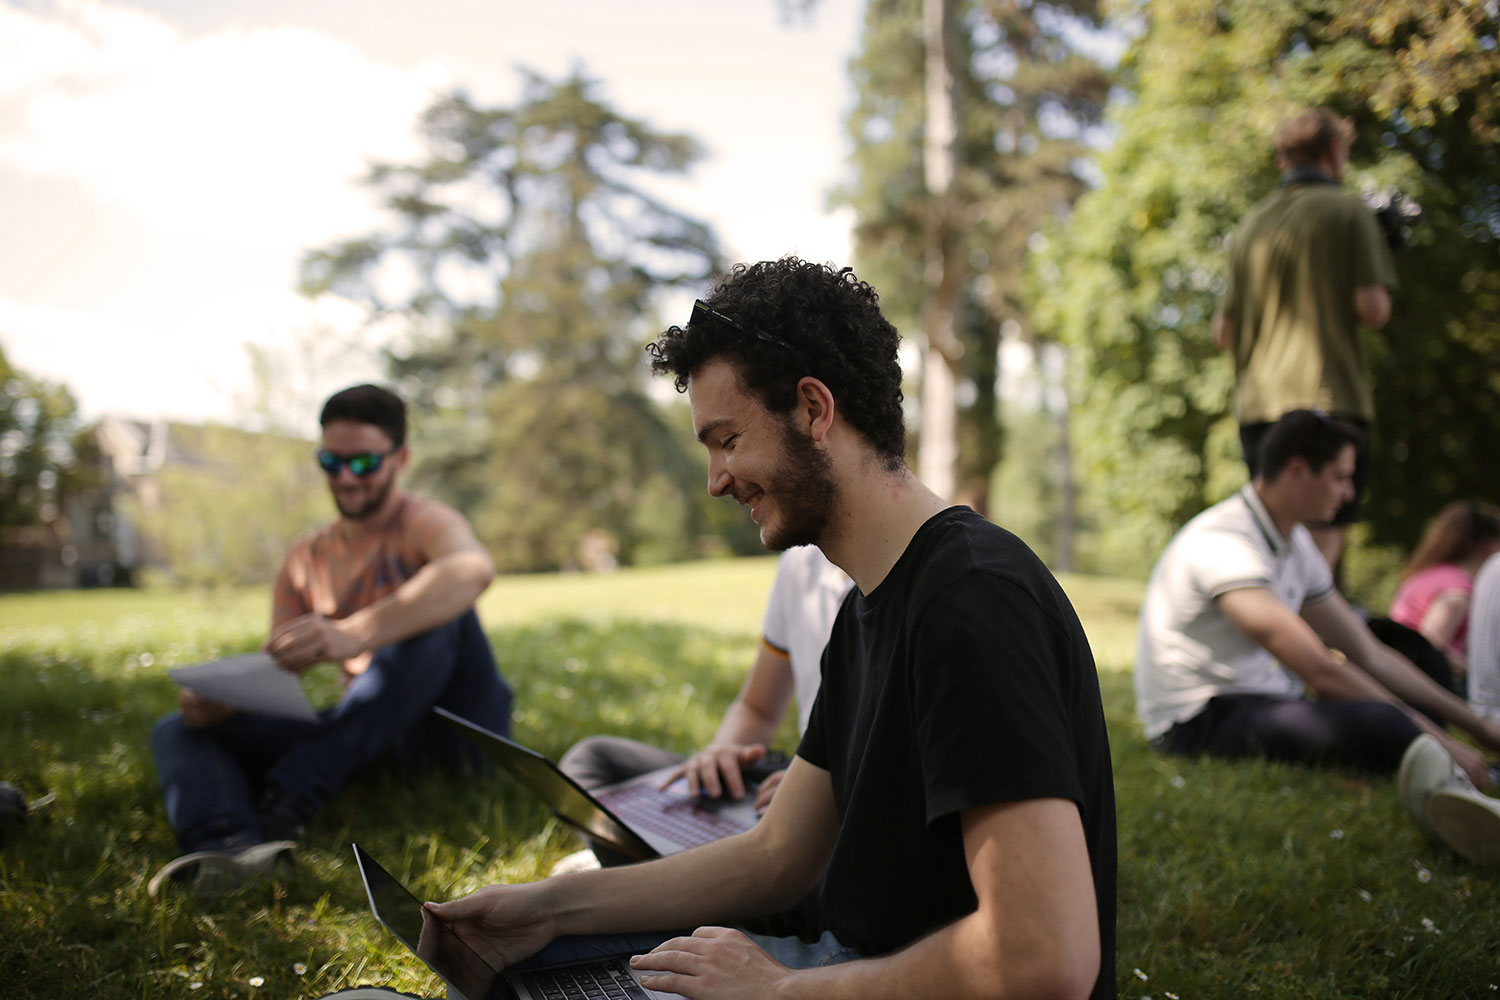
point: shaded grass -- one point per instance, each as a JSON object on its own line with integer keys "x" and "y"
{"x": 1234, "y": 879}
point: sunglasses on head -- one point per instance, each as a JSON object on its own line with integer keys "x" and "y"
{"x": 702, "y": 310}
{"x": 363, "y": 464}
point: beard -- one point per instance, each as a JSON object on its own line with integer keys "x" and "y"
{"x": 362, "y": 509}
{"x": 803, "y": 490}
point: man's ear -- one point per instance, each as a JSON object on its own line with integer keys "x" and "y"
{"x": 1296, "y": 467}
{"x": 816, "y": 407}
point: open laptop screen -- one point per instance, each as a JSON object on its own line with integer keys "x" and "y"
{"x": 468, "y": 976}
{"x": 562, "y": 794}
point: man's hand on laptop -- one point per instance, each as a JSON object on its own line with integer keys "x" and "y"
{"x": 716, "y": 963}
{"x": 505, "y": 924}
{"x": 199, "y": 711}
{"x": 308, "y": 640}
{"x": 715, "y": 770}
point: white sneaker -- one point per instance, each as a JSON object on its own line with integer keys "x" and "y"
{"x": 210, "y": 873}
{"x": 578, "y": 861}
{"x": 1426, "y": 767}
{"x": 367, "y": 993}
{"x": 1468, "y": 821}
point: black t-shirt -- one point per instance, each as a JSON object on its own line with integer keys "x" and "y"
{"x": 963, "y": 680}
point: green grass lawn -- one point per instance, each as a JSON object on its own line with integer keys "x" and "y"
{"x": 1234, "y": 879}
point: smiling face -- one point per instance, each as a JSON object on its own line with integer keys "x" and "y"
{"x": 761, "y": 459}
{"x": 360, "y": 497}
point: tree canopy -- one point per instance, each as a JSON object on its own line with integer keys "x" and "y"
{"x": 1025, "y": 98}
{"x": 526, "y": 256}
{"x": 1130, "y": 282}
{"x": 38, "y": 420}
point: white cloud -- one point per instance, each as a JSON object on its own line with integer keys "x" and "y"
{"x": 252, "y": 138}
{"x": 198, "y": 368}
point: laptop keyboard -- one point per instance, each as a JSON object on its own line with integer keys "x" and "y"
{"x": 646, "y": 807}
{"x": 603, "y": 980}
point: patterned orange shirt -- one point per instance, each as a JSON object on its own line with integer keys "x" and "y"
{"x": 336, "y": 575}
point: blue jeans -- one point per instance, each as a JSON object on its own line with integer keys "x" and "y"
{"x": 210, "y": 775}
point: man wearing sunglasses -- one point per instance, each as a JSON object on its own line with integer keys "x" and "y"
{"x": 387, "y": 593}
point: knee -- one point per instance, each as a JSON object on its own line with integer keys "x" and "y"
{"x": 166, "y": 730}
{"x": 584, "y": 754}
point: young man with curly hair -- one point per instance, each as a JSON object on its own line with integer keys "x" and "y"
{"x": 953, "y": 786}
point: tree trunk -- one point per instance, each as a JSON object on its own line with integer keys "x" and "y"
{"x": 938, "y": 447}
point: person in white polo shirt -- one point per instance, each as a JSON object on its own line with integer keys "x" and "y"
{"x": 1235, "y": 633}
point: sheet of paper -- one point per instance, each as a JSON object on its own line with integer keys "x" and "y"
{"x": 251, "y": 683}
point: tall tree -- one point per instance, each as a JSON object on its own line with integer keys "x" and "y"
{"x": 1132, "y": 281}
{"x": 1023, "y": 96}
{"x": 38, "y": 420}
{"x": 526, "y": 258}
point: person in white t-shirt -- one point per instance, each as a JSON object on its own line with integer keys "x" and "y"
{"x": 1236, "y": 628}
{"x": 805, "y": 599}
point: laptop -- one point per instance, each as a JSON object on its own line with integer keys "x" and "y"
{"x": 637, "y": 817}
{"x": 470, "y": 977}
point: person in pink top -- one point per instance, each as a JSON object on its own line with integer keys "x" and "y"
{"x": 1438, "y": 580}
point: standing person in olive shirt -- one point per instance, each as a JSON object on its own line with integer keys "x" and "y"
{"x": 1308, "y": 267}
{"x": 387, "y": 593}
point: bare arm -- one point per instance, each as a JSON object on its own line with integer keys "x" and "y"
{"x": 1448, "y": 610}
{"x": 1035, "y": 932}
{"x": 1337, "y": 623}
{"x": 1223, "y": 331}
{"x": 457, "y": 572}
{"x": 1269, "y": 623}
{"x": 749, "y": 725}
{"x": 1372, "y": 304}
{"x": 1291, "y": 639}
{"x": 764, "y": 870}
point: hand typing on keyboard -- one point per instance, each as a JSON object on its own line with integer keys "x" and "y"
{"x": 727, "y": 770}
{"x": 715, "y": 963}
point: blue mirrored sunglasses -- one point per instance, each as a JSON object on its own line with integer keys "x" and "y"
{"x": 363, "y": 464}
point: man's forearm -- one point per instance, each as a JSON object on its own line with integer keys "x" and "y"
{"x": 727, "y": 881}
{"x": 743, "y": 725}
{"x": 1222, "y": 331}
{"x": 1402, "y": 677}
{"x": 961, "y": 960}
{"x": 435, "y": 595}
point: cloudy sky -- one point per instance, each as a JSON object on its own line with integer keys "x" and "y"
{"x": 164, "y": 163}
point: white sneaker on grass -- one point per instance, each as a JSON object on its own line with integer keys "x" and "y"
{"x": 210, "y": 873}
{"x": 367, "y": 993}
{"x": 1426, "y": 767}
{"x": 1468, "y": 821}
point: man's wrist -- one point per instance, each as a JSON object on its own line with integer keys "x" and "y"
{"x": 359, "y": 628}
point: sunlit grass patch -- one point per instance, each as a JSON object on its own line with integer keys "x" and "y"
{"x": 1245, "y": 879}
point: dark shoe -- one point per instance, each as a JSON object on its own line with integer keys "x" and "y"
{"x": 12, "y": 808}
{"x": 278, "y": 820}
{"x": 211, "y": 873}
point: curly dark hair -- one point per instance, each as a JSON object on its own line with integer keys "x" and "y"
{"x": 779, "y": 321}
